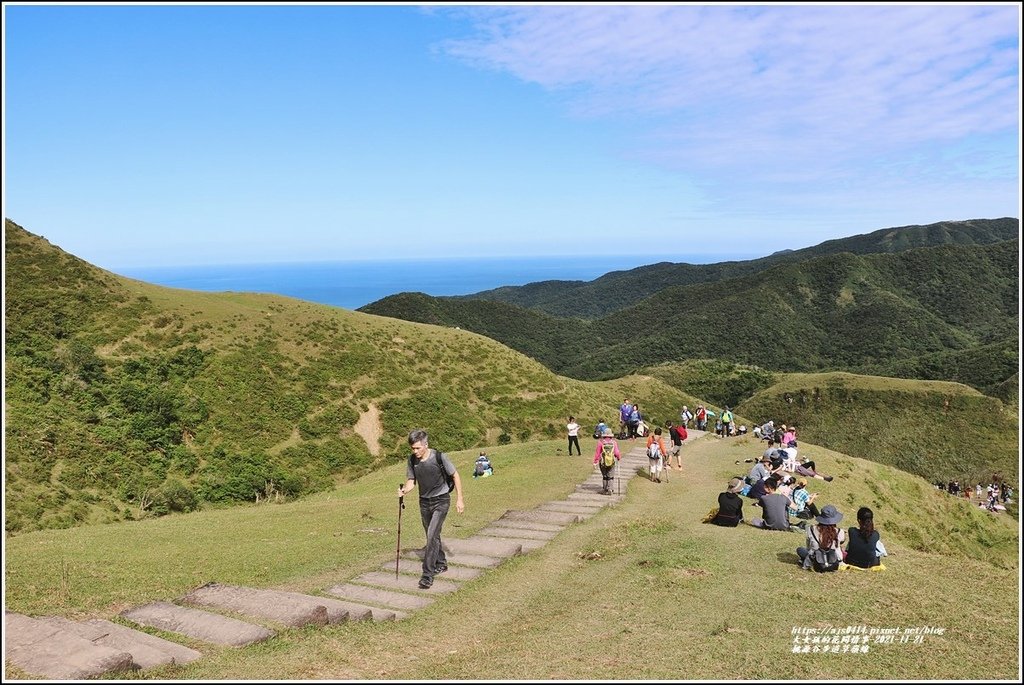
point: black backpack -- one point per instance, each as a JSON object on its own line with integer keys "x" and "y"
{"x": 824, "y": 560}
{"x": 448, "y": 479}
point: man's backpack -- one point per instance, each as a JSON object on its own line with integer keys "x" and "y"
{"x": 824, "y": 560}
{"x": 608, "y": 453}
{"x": 654, "y": 450}
{"x": 448, "y": 479}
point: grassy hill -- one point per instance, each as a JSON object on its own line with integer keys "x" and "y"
{"x": 126, "y": 400}
{"x": 585, "y": 606}
{"x": 621, "y": 289}
{"x": 823, "y": 313}
{"x": 937, "y": 430}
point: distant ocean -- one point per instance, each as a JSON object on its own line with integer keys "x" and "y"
{"x": 354, "y": 284}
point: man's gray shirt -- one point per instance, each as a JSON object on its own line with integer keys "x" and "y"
{"x": 427, "y": 476}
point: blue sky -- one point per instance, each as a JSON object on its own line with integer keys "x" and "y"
{"x": 155, "y": 135}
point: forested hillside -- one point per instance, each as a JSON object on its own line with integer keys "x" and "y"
{"x": 840, "y": 311}
{"x": 620, "y": 289}
{"x": 126, "y": 399}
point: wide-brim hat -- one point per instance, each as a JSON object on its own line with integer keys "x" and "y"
{"x": 829, "y": 516}
{"x": 607, "y": 433}
{"x": 735, "y": 485}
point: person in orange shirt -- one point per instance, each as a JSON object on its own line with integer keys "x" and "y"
{"x": 656, "y": 455}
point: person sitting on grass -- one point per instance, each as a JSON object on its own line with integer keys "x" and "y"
{"x": 864, "y": 548}
{"x": 774, "y": 507}
{"x": 730, "y": 505}
{"x": 801, "y": 501}
{"x": 824, "y": 550}
{"x": 806, "y": 468}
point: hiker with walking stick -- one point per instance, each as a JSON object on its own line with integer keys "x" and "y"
{"x": 605, "y": 457}
{"x": 437, "y": 477}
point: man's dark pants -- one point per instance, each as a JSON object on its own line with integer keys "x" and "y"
{"x": 433, "y": 511}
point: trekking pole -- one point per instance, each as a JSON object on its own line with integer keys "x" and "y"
{"x": 664, "y": 469}
{"x": 398, "y": 546}
{"x": 618, "y": 491}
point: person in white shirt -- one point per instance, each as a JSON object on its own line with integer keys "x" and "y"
{"x": 574, "y": 435}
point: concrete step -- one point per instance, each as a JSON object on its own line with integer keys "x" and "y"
{"x": 404, "y": 583}
{"x": 483, "y": 545}
{"x": 588, "y": 497}
{"x": 456, "y": 573}
{"x": 198, "y": 624}
{"x": 527, "y": 545}
{"x": 50, "y": 652}
{"x": 394, "y": 600}
{"x": 555, "y": 517}
{"x": 517, "y": 533}
{"x": 269, "y": 605}
{"x": 474, "y": 560}
{"x": 337, "y": 611}
{"x": 572, "y": 507}
{"x": 147, "y": 650}
{"x": 530, "y": 525}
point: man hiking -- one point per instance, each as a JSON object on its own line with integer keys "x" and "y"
{"x": 436, "y": 476}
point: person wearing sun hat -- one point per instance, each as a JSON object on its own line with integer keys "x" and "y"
{"x": 730, "y": 505}
{"x": 825, "y": 540}
{"x": 606, "y": 455}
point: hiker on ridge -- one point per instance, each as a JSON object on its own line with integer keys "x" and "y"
{"x": 635, "y": 417}
{"x": 625, "y": 409}
{"x": 656, "y": 447}
{"x": 701, "y": 417}
{"x": 431, "y": 470}
{"x": 605, "y": 456}
{"x": 678, "y": 434}
{"x": 726, "y": 422}
{"x": 574, "y": 435}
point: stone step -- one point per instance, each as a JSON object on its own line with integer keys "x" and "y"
{"x": 457, "y": 573}
{"x": 147, "y": 650}
{"x": 404, "y": 582}
{"x": 395, "y": 600}
{"x": 517, "y": 533}
{"x": 198, "y": 624}
{"x": 481, "y": 545}
{"x": 530, "y": 525}
{"x": 572, "y": 507}
{"x": 542, "y": 516}
{"x": 474, "y": 560}
{"x": 337, "y": 611}
{"x": 527, "y": 545}
{"x": 45, "y": 650}
{"x": 603, "y": 500}
{"x": 258, "y": 603}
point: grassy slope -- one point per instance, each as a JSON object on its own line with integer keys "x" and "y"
{"x": 557, "y": 614}
{"x": 903, "y": 423}
{"x": 278, "y": 382}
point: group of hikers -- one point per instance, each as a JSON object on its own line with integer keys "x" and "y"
{"x": 994, "y": 497}
{"x": 778, "y": 485}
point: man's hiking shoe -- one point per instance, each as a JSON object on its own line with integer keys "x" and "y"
{"x": 441, "y": 569}
{"x": 828, "y": 479}
{"x": 657, "y": 480}
{"x": 426, "y": 582}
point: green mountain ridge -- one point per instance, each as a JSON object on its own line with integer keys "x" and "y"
{"x": 839, "y": 311}
{"x": 620, "y": 289}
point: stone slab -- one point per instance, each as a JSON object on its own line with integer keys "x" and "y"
{"x": 572, "y": 507}
{"x": 198, "y": 624}
{"x": 404, "y": 582}
{"x": 457, "y": 573}
{"x": 517, "y": 533}
{"x": 270, "y": 605}
{"x": 527, "y": 545}
{"x": 388, "y": 598}
{"x": 483, "y": 545}
{"x": 542, "y": 516}
{"x": 147, "y": 650}
{"x": 48, "y": 651}
{"x": 530, "y": 525}
{"x": 474, "y": 560}
{"x": 337, "y": 612}
{"x": 587, "y": 497}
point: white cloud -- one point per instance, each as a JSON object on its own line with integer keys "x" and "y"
{"x": 778, "y": 91}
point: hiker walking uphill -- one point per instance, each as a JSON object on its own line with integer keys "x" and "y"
{"x": 656, "y": 454}
{"x": 436, "y": 476}
{"x": 605, "y": 456}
